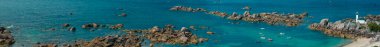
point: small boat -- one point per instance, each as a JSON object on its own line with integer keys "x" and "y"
{"x": 282, "y": 33}
{"x": 270, "y": 39}
{"x": 262, "y": 37}
{"x": 262, "y": 28}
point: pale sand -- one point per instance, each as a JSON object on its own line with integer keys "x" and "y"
{"x": 362, "y": 42}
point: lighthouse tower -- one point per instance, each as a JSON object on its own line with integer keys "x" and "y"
{"x": 359, "y": 21}
{"x": 357, "y": 17}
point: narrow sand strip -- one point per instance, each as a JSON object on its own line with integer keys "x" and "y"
{"x": 362, "y": 42}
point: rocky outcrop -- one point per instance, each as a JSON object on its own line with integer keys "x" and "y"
{"x": 136, "y": 38}
{"x": 97, "y": 26}
{"x": 6, "y": 39}
{"x": 234, "y": 16}
{"x": 346, "y": 28}
{"x": 117, "y": 26}
{"x": 107, "y": 41}
{"x": 270, "y": 18}
{"x": 46, "y": 45}
{"x": 170, "y": 36}
{"x": 274, "y": 18}
{"x": 372, "y": 18}
{"x": 217, "y": 13}
{"x": 188, "y": 9}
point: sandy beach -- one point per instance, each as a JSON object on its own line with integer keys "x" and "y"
{"x": 363, "y": 42}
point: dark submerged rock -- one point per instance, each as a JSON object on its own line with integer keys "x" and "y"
{"x": 66, "y": 25}
{"x": 72, "y": 29}
{"x": 123, "y": 14}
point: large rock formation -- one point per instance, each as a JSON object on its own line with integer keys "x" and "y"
{"x": 270, "y": 18}
{"x": 136, "y": 38}
{"x": 324, "y": 22}
{"x": 6, "y": 38}
{"x": 274, "y": 18}
{"x": 188, "y": 9}
{"x": 99, "y": 26}
{"x": 346, "y": 28}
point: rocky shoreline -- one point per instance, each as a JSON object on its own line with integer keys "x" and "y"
{"x": 352, "y": 29}
{"x": 349, "y": 28}
{"x": 270, "y": 18}
{"x": 137, "y": 38}
{"x": 6, "y": 39}
{"x": 345, "y": 29}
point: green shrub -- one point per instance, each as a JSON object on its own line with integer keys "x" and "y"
{"x": 374, "y": 27}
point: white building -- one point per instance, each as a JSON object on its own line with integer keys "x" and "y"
{"x": 359, "y": 21}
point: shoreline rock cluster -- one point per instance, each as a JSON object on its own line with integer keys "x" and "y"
{"x": 270, "y": 18}
{"x": 346, "y": 28}
{"x": 6, "y": 39}
{"x": 364, "y": 33}
{"x": 137, "y": 38}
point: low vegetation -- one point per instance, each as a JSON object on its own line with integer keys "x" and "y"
{"x": 374, "y": 27}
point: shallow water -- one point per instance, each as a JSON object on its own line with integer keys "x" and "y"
{"x": 31, "y": 17}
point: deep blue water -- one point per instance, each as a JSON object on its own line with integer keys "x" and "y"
{"x": 31, "y": 17}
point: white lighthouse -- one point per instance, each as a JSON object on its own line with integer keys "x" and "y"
{"x": 357, "y": 16}
{"x": 357, "y": 19}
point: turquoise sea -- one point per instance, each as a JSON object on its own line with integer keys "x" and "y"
{"x": 31, "y": 17}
